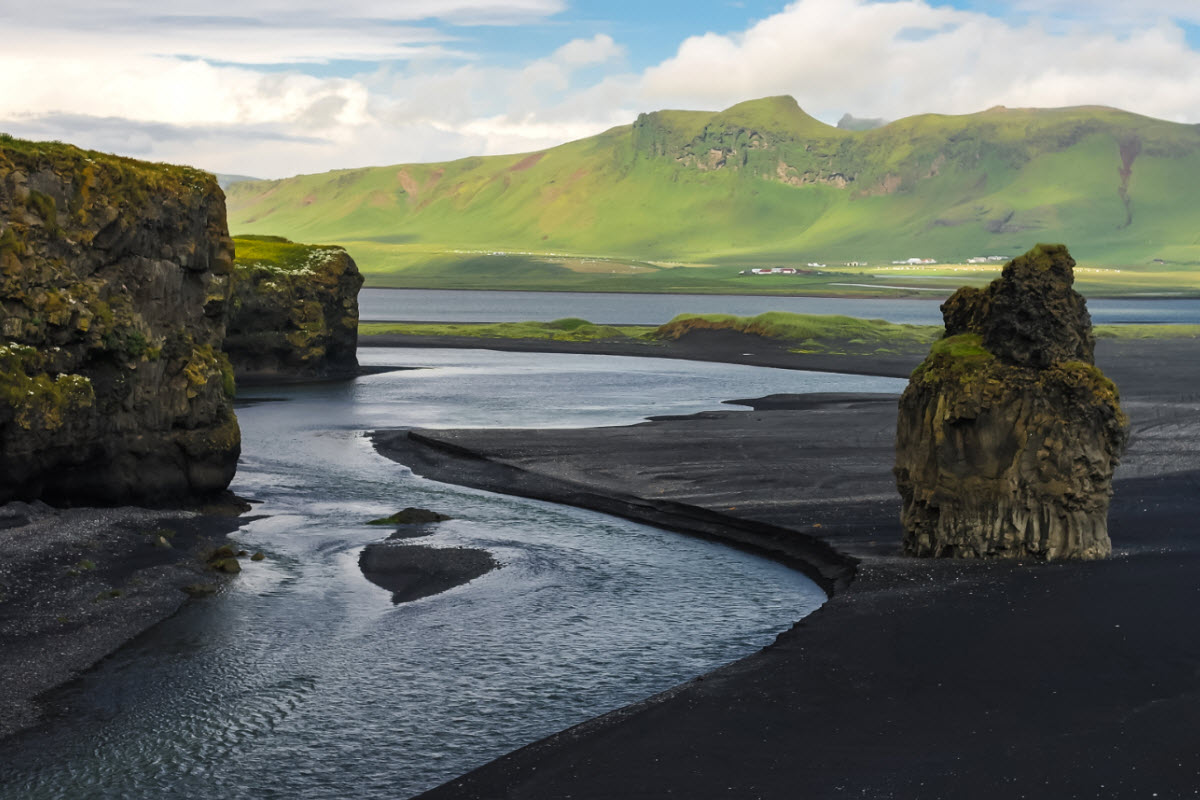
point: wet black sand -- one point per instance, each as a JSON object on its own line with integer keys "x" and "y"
{"x": 76, "y": 584}
{"x": 723, "y": 346}
{"x": 918, "y": 679}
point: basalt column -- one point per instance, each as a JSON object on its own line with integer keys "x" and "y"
{"x": 1008, "y": 434}
{"x": 114, "y": 281}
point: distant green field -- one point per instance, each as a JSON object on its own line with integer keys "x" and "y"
{"x": 408, "y": 269}
{"x": 1148, "y": 331}
{"x": 682, "y": 201}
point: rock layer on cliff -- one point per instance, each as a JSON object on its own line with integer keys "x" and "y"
{"x": 294, "y": 310}
{"x": 1007, "y": 434}
{"x": 114, "y": 280}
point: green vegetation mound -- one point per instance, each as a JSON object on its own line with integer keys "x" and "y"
{"x": 562, "y": 330}
{"x": 816, "y": 331}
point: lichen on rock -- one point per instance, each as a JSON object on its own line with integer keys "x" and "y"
{"x": 114, "y": 279}
{"x": 1008, "y": 435}
{"x": 294, "y": 311}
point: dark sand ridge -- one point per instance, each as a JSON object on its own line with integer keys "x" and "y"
{"x": 919, "y": 678}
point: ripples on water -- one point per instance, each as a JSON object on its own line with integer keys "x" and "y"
{"x": 302, "y": 680}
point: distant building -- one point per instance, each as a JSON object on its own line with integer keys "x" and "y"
{"x": 769, "y": 271}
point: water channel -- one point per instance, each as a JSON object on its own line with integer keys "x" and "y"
{"x": 303, "y": 680}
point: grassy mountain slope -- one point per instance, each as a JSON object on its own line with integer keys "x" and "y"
{"x": 760, "y": 182}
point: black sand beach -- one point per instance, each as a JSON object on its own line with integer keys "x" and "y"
{"x": 919, "y": 678}
{"x": 76, "y": 584}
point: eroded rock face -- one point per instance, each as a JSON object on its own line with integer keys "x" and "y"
{"x": 294, "y": 311}
{"x": 1007, "y": 434}
{"x": 114, "y": 280}
{"x": 1030, "y": 315}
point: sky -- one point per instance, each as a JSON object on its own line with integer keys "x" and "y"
{"x": 272, "y": 88}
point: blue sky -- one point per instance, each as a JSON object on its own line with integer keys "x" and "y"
{"x": 650, "y": 31}
{"x": 279, "y": 87}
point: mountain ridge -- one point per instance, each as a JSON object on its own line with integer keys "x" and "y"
{"x": 764, "y": 180}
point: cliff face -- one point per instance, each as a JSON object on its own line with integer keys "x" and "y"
{"x": 1007, "y": 434}
{"x": 294, "y": 311}
{"x": 114, "y": 281}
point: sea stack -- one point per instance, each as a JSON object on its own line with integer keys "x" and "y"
{"x": 114, "y": 281}
{"x": 294, "y": 311}
{"x": 1008, "y": 434}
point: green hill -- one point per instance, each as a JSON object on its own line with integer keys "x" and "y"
{"x": 761, "y": 183}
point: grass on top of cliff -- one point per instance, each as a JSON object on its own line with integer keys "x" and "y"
{"x": 278, "y": 253}
{"x": 128, "y": 179}
{"x": 569, "y": 329}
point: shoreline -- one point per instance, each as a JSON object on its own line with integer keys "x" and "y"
{"x": 927, "y": 678}
{"x": 77, "y": 584}
{"x": 719, "y": 346}
{"x": 442, "y": 460}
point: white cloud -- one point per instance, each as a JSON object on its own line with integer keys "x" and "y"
{"x": 899, "y": 58}
{"x": 64, "y": 12}
{"x": 1112, "y": 12}
{"x": 172, "y": 91}
{"x": 189, "y": 85}
{"x": 505, "y": 110}
{"x": 586, "y": 52}
{"x": 259, "y": 31}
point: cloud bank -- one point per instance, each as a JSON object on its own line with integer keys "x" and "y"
{"x": 269, "y": 88}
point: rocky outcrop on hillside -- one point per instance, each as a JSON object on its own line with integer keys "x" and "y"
{"x": 114, "y": 280}
{"x": 1007, "y": 434}
{"x": 294, "y": 312}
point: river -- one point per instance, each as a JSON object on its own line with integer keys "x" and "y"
{"x": 433, "y": 305}
{"x": 302, "y": 680}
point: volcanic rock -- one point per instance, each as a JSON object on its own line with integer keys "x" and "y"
{"x": 114, "y": 280}
{"x": 1007, "y": 434}
{"x": 294, "y": 310}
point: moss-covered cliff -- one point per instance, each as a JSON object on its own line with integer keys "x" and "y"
{"x": 1007, "y": 434}
{"x": 114, "y": 283}
{"x": 294, "y": 310}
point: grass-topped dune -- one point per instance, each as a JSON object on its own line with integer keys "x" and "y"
{"x": 808, "y": 332}
{"x": 568, "y": 329}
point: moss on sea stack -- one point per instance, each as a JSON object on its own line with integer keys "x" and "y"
{"x": 1007, "y": 434}
{"x": 114, "y": 279}
{"x": 294, "y": 312}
